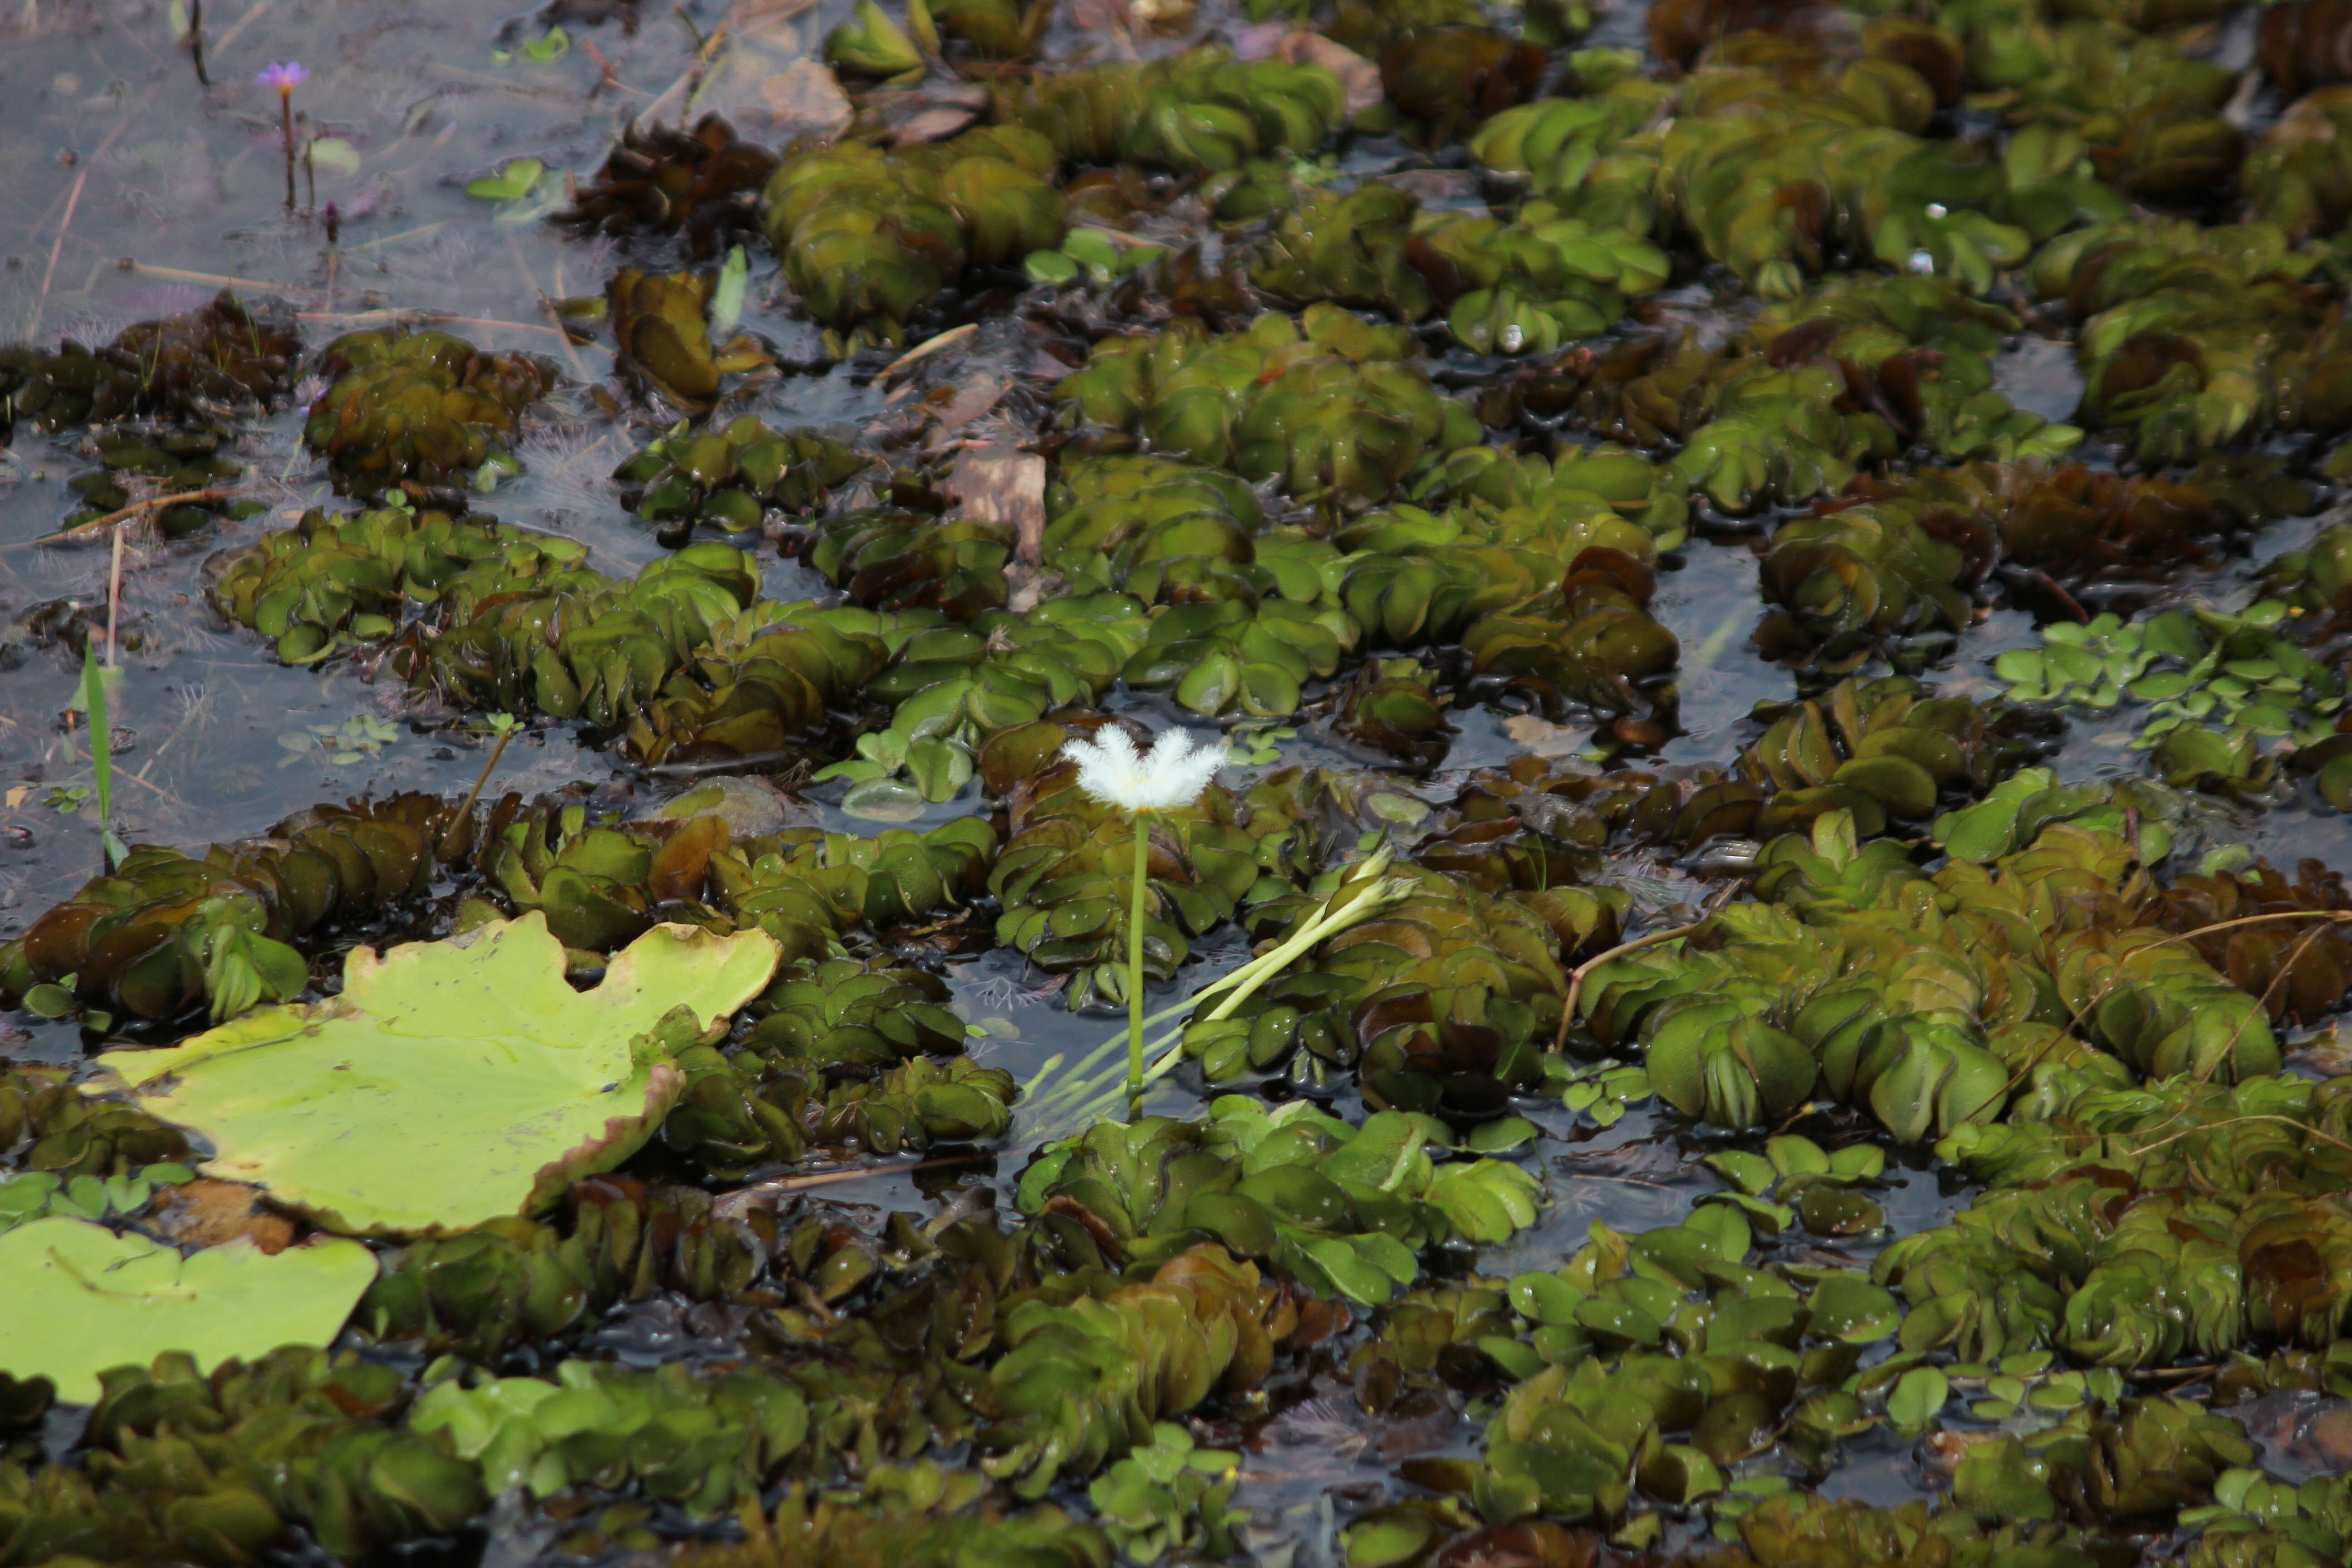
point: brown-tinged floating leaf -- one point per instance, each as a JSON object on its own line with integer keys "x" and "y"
{"x": 972, "y": 400}
{"x": 658, "y": 324}
{"x": 2325, "y": 1440}
{"x": 1359, "y": 76}
{"x": 1002, "y": 484}
{"x": 1260, "y": 42}
{"x": 758, "y": 19}
{"x": 935, "y": 124}
{"x": 683, "y": 862}
{"x": 927, "y": 112}
{"x": 803, "y": 98}
{"x": 750, "y": 805}
{"x": 208, "y": 1212}
{"x": 1098, "y": 16}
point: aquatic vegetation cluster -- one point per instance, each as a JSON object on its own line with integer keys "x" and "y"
{"x": 423, "y": 408}
{"x": 702, "y": 183}
{"x": 228, "y": 356}
{"x": 1196, "y": 110}
{"x": 870, "y": 238}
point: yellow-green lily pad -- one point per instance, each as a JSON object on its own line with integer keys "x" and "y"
{"x": 79, "y": 1300}
{"x": 452, "y": 1083}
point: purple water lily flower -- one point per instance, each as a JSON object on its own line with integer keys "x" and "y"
{"x": 285, "y": 77}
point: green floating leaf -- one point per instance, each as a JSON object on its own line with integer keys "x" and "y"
{"x": 727, "y": 300}
{"x": 81, "y": 1300}
{"x": 1918, "y": 1398}
{"x": 1496, "y": 1137}
{"x": 2018, "y": 665}
{"x": 1050, "y": 267}
{"x": 883, "y": 800}
{"x": 452, "y": 1083}
{"x": 332, "y": 154}
{"x": 509, "y": 184}
{"x": 554, "y": 45}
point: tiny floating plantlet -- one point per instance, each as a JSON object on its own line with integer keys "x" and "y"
{"x": 285, "y": 78}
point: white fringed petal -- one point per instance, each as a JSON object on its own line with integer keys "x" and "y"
{"x": 1172, "y": 773}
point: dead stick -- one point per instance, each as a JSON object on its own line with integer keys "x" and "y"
{"x": 84, "y": 530}
{"x": 785, "y": 1186}
{"x": 181, "y": 274}
{"x": 81, "y": 177}
{"x": 73, "y": 200}
{"x": 2304, "y": 1126}
{"x": 426, "y": 319}
{"x": 466, "y": 810}
{"x": 113, "y": 599}
{"x": 1576, "y": 976}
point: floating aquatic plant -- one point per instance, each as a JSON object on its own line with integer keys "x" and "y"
{"x": 484, "y": 1083}
{"x": 82, "y": 1300}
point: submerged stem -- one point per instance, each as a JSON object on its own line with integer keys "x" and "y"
{"x": 1135, "y": 955}
{"x": 197, "y": 40}
{"x": 466, "y": 811}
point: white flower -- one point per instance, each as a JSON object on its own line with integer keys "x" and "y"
{"x": 1173, "y": 773}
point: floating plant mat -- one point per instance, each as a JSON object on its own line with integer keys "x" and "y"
{"x": 1759, "y": 982}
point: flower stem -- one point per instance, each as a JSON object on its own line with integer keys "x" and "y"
{"x": 286, "y": 126}
{"x": 1135, "y": 956}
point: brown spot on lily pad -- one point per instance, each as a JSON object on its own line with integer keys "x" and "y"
{"x": 209, "y": 1213}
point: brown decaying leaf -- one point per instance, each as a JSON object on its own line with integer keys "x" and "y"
{"x": 973, "y": 399}
{"x": 804, "y": 99}
{"x": 1004, "y": 484}
{"x": 930, "y": 111}
{"x": 1542, "y": 737}
{"x": 1100, "y": 15}
{"x": 751, "y": 17}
